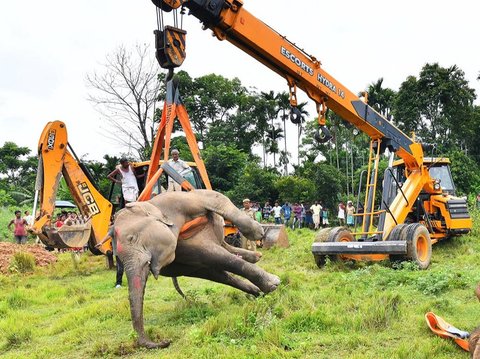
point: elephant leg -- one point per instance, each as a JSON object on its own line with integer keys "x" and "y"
{"x": 137, "y": 280}
{"x": 214, "y": 256}
{"x": 223, "y": 277}
{"x": 249, "y": 256}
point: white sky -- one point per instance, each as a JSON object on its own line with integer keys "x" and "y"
{"x": 47, "y": 48}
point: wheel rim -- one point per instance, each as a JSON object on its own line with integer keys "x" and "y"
{"x": 422, "y": 248}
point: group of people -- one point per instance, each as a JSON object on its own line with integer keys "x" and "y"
{"x": 300, "y": 215}
{"x": 70, "y": 218}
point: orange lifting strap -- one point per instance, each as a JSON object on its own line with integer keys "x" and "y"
{"x": 445, "y": 330}
{"x": 173, "y": 108}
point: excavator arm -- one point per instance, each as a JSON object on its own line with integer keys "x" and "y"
{"x": 55, "y": 160}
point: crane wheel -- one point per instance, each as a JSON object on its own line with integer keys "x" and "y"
{"x": 336, "y": 234}
{"x": 321, "y": 236}
{"x": 419, "y": 244}
{"x": 397, "y": 235}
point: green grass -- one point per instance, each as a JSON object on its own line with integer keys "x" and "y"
{"x": 346, "y": 310}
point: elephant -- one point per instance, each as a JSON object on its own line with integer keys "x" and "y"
{"x": 158, "y": 236}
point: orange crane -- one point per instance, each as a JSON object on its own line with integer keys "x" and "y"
{"x": 417, "y": 215}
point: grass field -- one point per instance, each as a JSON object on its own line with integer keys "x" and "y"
{"x": 343, "y": 311}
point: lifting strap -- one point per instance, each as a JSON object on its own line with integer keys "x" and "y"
{"x": 192, "y": 227}
{"x": 445, "y": 330}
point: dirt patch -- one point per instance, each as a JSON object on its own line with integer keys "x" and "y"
{"x": 7, "y": 250}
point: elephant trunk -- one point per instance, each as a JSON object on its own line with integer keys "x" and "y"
{"x": 137, "y": 280}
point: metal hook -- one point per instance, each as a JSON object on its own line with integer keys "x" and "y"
{"x": 295, "y": 115}
{"x": 326, "y": 135}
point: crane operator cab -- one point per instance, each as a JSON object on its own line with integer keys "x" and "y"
{"x": 439, "y": 169}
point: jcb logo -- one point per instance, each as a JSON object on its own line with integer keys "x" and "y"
{"x": 51, "y": 139}
{"x": 88, "y": 199}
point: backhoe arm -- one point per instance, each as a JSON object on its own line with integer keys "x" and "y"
{"x": 56, "y": 160}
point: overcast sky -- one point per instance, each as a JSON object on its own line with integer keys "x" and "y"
{"x": 47, "y": 48}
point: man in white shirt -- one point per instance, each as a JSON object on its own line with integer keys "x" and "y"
{"x": 178, "y": 165}
{"x": 128, "y": 180}
{"x": 316, "y": 209}
{"x": 277, "y": 213}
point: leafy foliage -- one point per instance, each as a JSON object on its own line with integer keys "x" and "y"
{"x": 255, "y": 183}
{"x": 295, "y": 189}
{"x": 225, "y": 165}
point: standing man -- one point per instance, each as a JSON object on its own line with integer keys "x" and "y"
{"x": 277, "y": 213}
{"x": 341, "y": 214}
{"x": 128, "y": 180}
{"x": 28, "y": 217}
{"x": 267, "y": 210}
{"x": 350, "y": 210}
{"x": 316, "y": 209}
{"x": 287, "y": 213}
{"x": 178, "y": 165}
{"x": 19, "y": 230}
{"x": 120, "y": 268}
{"x": 297, "y": 215}
{"x": 249, "y": 211}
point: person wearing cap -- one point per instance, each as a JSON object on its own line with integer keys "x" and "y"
{"x": 249, "y": 211}
{"x": 350, "y": 212}
{"x": 179, "y": 166}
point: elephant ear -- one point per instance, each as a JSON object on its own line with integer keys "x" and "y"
{"x": 151, "y": 211}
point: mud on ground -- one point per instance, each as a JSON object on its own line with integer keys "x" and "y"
{"x": 7, "y": 250}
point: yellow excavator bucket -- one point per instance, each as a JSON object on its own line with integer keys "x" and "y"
{"x": 275, "y": 234}
{"x": 73, "y": 236}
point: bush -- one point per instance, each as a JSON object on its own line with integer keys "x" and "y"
{"x": 22, "y": 262}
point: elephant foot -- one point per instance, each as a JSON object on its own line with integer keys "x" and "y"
{"x": 270, "y": 284}
{"x": 251, "y": 257}
{"x": 152, "y": 345}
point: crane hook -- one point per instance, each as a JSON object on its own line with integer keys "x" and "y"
{"x": 326, "y": 134}
{"x": 295, "y": 115}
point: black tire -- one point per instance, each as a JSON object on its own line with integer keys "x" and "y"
{"x": 336, "y": 234}
{"x": 419, "y": 244}
{"x": 397, "y": 235}
{"x": 321, "y": 236}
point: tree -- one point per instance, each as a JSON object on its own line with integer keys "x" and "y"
{"x": 18, "y": 169}
{"x": 225, "y": 165}
{"x": 295, "y": 189}
{"x": 380, "y": 98}
{"x": 465, "y": 173}
{"x": 329, "y": 184}
{"x": 125, "y": 94}
{"x": 438, "y": 106}
{"x": 272, "y": 136}
{"x": 255, "y": 183}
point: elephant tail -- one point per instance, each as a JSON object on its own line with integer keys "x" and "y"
{"x": 177, "y": 287}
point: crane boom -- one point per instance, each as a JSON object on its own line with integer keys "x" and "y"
{"x": 229, "y": 21}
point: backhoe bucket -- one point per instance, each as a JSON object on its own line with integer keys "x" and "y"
{"x": 74, "y": 236}
{"x": 275, "y": 234}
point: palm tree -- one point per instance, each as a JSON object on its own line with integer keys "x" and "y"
{"x": 271, "y": 112}
{"x": 283, "y": 105}
{"x": 272, "y": 136}
{"x": 303, "y": 113}
{"x": 380, "y": 98}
